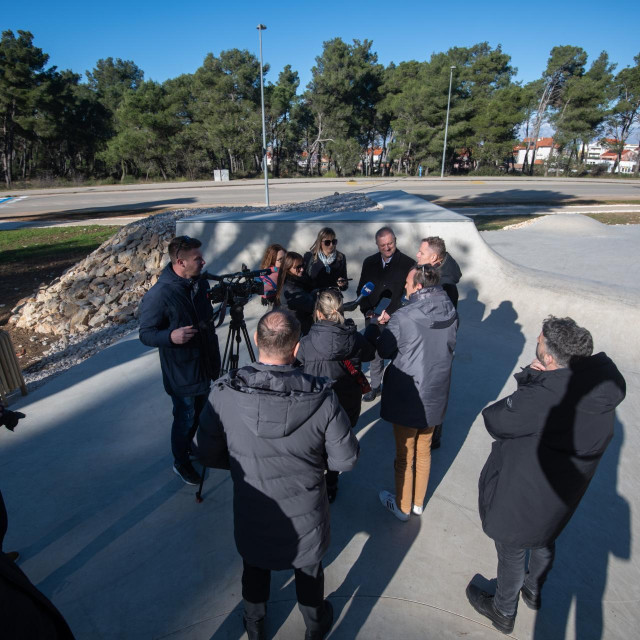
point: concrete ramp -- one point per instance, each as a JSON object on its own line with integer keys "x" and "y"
{"x": 118, "y": 542}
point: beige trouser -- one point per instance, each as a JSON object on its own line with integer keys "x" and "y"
{"x": 412, "y": 465}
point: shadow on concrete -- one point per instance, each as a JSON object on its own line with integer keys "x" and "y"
{"x": 599, "y": 529}
{"x": 505, "y": 198}
{"x": 88, "y": 213}
{"x": 123, "y": 351}
{"x": 487, "y": 351}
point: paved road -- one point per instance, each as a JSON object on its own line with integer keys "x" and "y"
{"x": 451, "y": 192}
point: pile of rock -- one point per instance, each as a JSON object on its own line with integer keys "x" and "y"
{"x": 106, "y": 287}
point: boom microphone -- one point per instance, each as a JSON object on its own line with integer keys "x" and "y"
{"x": 364, "y": 292}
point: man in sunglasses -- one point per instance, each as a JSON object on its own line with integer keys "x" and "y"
{"x": 387, "y": 269}
{"x": 176, "y": 316}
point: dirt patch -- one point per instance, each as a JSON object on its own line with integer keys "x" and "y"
{"x": 19, "y": 281}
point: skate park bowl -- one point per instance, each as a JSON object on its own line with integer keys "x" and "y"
{"x": 109, "y": 533}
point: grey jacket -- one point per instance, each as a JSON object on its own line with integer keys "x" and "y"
{"x": 277, "y": 426}
{"x": 420, "y": 339}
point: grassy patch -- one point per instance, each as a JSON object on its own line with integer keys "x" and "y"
{"x": 494, "y": 223}
{"x": 51, "y": 244}
{"x": 616, "y": 217}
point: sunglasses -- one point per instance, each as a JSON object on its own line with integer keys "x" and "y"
{"x": 328, "y": 243}
{"x": 298, "y": 267}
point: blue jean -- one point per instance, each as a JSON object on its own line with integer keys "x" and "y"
{"x": 512, "y": 575}
{"x": 186, "y": 412}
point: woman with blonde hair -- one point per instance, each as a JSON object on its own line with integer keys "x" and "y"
{"x": 334, "y": 349}
{"x": 293, "y": 291}
{"x": 324, "y": 265}
{"x": 272, "y": 259}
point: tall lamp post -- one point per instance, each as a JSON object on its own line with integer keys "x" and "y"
{"x": 446, "y": 126}
{"x": 260, "y": 29}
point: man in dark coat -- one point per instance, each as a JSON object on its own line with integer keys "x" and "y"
{"x": 387, "y": 270}
{"x": 433, "y": 251}
{"x": 176, "y": 316}
{"x": 549, "y": 437}
{"x": 275, "y": 426}
{"x": 420, "y": 339}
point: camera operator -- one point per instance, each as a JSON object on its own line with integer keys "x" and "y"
{"x": 176, "y": 316}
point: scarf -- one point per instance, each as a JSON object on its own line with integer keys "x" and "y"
{"x": 327, "y": 261}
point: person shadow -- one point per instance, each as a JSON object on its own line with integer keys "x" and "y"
{"x": 487, "y": 351}
{"x": 599, "y": 529}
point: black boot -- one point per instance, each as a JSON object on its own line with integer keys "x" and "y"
{"x": 483, "y": 603}
{"x": 326, "y": 622}
{"x": 255, "y": 629}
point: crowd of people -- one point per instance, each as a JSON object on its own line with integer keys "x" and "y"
{"x": 283, "y": 425}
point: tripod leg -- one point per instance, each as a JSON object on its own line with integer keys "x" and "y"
{"x": 247, "y": 341}
{"x": 224, "y": 367}
{"x": 199, "y": 497}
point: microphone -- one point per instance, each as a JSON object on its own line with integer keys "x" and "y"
{"x": 364, "y": 292}
{"x": 245, "y": 273}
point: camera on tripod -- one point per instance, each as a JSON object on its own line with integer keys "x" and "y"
{"x": 234, "y": 291}
{"x": 236, "y": 288}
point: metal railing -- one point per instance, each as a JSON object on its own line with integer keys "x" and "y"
{"x": 10, "y": 374}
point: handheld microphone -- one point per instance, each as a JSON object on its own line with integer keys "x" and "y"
{"x": 364, "y": 292}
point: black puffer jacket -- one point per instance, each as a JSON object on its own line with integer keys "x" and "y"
{"x": 280, "y": 424}
{"x": 549, "y": 437}
{"x": 319, "y": 276}
{"x": 174, "y": 302}
{"x": 322, "y": 353}
{"x": 296, "y": 297}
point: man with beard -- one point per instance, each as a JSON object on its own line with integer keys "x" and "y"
{"x": 549, "y": 437}
{"x": 176, "y": 317}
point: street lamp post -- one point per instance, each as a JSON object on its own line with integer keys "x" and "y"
{"x": 260, "y": 29}
{"x": 446, "y": 127}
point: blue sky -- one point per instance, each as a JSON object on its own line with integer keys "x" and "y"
{"x": 166, "y": 39}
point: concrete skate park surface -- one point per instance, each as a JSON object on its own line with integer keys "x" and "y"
{"x": 118, "y": 542}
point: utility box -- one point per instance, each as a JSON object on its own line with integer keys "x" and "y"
{"x": 221, "y": 175}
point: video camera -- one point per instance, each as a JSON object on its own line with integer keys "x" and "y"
{"x": 236, "y": 288}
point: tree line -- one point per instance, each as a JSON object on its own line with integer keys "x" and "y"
{"x": 355, "y": 115}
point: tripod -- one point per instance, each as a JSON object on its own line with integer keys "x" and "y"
{"x": 231, "y": 359}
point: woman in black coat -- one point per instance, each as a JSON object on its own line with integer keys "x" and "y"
{"x": 324, "y": 265}
{"x": 331, "y": 341}
{"x": 293, "y": 291}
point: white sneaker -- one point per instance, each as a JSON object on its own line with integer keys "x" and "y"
{"x": 389, "y": 502}
{"x": 417, "y": 510}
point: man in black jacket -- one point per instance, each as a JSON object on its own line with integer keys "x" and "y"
{"x": 176, "y": 317}
{"x": 276, "y": 428}
{"x": 549, "y": 437}
{"x": 388, "y": 271}
{"x": 433, "y": 251}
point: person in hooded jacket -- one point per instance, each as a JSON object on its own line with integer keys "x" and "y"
{"x": 294, "y": 291}
{"x": 176, "y": 316}
{"x": 420, "y": 338}
{"x": 550, "y": 435}
{"x": 331, "y": 341}
{"x": 275, "y": 425}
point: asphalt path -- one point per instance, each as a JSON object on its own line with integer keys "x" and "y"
{"x": 488, "y": 195}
